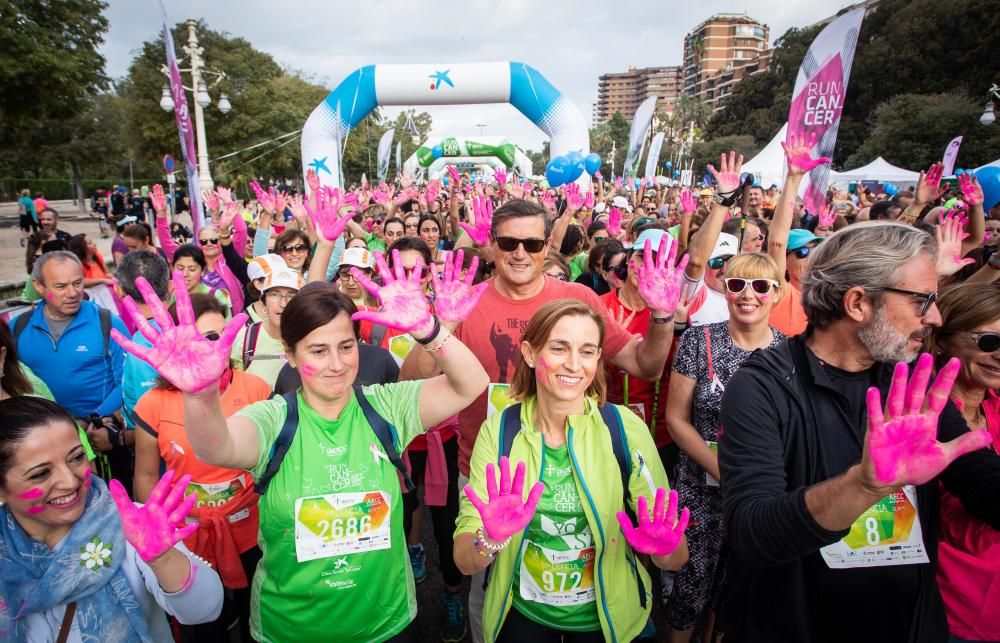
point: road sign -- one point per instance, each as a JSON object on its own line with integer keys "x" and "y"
{"x": 168, "y": 163}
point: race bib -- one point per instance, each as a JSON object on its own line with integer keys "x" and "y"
{"x": 341, "y": 523}
{"x": 400, "y": 346}
{"x": 215, "y": 494}
{"x": 497, "y": 398}
{"x": 887, "y": 533}
{"x": 557, "y": 578}
{"x": 709, "y": 480}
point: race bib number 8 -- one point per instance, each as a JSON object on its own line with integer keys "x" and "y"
{"x": 341, "y": 523}
{"x": 887, "y": 533}
{"x": 557, "y": 578}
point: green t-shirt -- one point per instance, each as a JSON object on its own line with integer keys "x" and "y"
{"x": 555, "y": 584}
{"x": 335, "y": 564}
{"x": 578, "y": 265}
{"x": 374, "y": 243}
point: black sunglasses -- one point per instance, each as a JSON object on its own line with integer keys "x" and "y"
{"x": 214, "y": 241}
{"x": 801, "y": 253}
{"x": 718, "y": 262}
{"x": 928, "y": 297}
{"x": 510, "y": 244}
{"x": 986, "y": 342}
{"x": 299, "y": 247}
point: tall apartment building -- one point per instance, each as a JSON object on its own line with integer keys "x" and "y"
{"x": 720, "y": 52}
{"x": 624, "y": 92}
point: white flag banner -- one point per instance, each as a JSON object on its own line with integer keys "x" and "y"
{"x": 654, "y": 155}
{"x": 637, "y": 135}
{"x": 384, "y": 150}
{"x": 951, "y": 155}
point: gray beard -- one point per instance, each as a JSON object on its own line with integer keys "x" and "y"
{"x": 884, "y": 342}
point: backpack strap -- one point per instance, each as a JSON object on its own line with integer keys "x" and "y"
{"x": 386, "y": 435}
{"x": 21, "y": 323}
{"x": 250, "y": 343}
{"x": 377, "y": 334}
{"x": 105, "y": 317}
{"x": 510, "y": 426}
{"x": 284, "y": 441}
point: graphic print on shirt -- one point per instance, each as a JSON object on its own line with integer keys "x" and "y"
{"x": 505, "y": 342}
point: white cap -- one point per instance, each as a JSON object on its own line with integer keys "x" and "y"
{"x": 599, "y": 208}
{"x": 359, "y": 257}
{"x": 727, "y": 244}
{"x": 283, "y": 278}
{"x": 264, "y": 265}
{"x": 621, "y": 203}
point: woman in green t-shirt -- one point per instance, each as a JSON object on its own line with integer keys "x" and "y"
{"x": 564, "y": 561}
{"x": 335, "y": 564}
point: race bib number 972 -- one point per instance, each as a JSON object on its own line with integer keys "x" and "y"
{"x": 341, "y": 523}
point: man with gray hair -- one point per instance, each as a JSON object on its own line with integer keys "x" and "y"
{"x": 823, "y": 548}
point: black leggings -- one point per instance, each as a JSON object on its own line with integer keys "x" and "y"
{"x": 442, "y": 518}
{"x": 237, "y": 605}
{"x": 518, "y": 628}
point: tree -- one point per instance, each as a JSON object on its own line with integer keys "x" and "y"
{"x": 49, "y": 65}
{"x": 691, "y": 109}
{"x": 612, "y": 134}
{"x": 911, "y": 131}
{"x": 705, "y": 152}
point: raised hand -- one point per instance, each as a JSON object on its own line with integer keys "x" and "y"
{"x": 229, "y": 214}
{"x": 453, "y": 173}
{"x": 901, "y": 446}
{"x": 574, "y": 200}
{"x": 505, "y": 512}
{"x": 516, "y": 189}
{"x": 588, "y": 200}
{"x": 405, "y": 181}
{"x": 660, "y": 535}
{"x": 660, "y": 282}
{"x": 950, "y": 233}
{"x": 380, "y": 196}
{"x": 549, "y": 202}
{"x": 454, "y": 297}
{"x": 280, "y": 200}
{"x": 501, "y": 178}
{"x": 407, "y": 194}
{"x": 433, "y": 188}
{"x": 614, "y": 222}
{"x": 265, "y": 199}
{"x": 798, "y": 151}
{"x": 727, "y": 178}
{"x": 827, "y": 217}
{"x": 179, "y": 352}
{"x": 225, "y": 194}
{"x": 403, "y": 304}
{"x": 482, "y": 212}
{"x": 312, "y": 180}
{"x": 326, "y": 219}
{"x": 972, "y": 193}
{"x": 154, "y": 528}
{"x": 158, "y": 198}
{"x": 929, "y": 188}
{"x": 211, "y": 201}
{"x": 688, "y": 203}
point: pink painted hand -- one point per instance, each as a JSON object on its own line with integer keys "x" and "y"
{"x": 380, "y": 196}
{"x": 179, "y": 352}
{"x": 614, "y": 222}
{"x": 505, "y": 512}
{"x": 454, "y": 297}
{"x": 950, "y": 233}
{"x": 210, "y": 200}
{"x": 549, "y": 202}
{"x": 312, "y": 180}
{"x": 827, "y": 217}
{"x": 327, "y": 219}
{"x": 482, "y": 212}
{"x": 154, "y": 528}
{"x": 618, "y": 182}
{"x": 727, "y": 178}
{"x": 660, "y": 535}
{"x": 516, "y": 189}
{"x": 407, "y": 194}
{"x": 225, "y": 194}
{"x": 501, "y": 179}
{"x": 588, "y": 200}
{"x": 405, "y": 181}
{"x": 574, "y": 200}
{"x": 453, "y": 173}
{"x": 688, "y": 203}
{"x": 403, "y": 304}
{"x": 433, "y": 189}
{"x": 266, "y": 199}
{"x": 929, "y": 188}
{"x": 798, "y": 151}
{"x": 229, "y": 214}
{"x": 660, "y": 282}
{"x": 159, "y": 199}
{"x": 972, "y": 193}
{"x": 901, "y": 446}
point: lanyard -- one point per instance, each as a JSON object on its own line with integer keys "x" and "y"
{"x": 656, "y": 403}
{"x": 708, "y": 349}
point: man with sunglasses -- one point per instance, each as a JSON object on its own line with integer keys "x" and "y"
{"x": 519, "y": 239}
{"x": 831, "y": 499}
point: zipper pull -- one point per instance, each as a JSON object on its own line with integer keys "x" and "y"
{"x": 644, "y": 470}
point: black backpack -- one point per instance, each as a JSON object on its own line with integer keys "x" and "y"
{"x": 382, "y": 429}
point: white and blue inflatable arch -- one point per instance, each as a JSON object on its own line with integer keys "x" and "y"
{"x": 451, "y": 84}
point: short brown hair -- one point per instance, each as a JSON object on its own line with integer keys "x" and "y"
{"x": 523, "y": 385}
{"x": 516, "y": 208}
{"x": 314, "y": 306}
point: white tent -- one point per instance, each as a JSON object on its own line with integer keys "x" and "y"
{"x": 879, "y": 170}
{"x": 768, "y": 167}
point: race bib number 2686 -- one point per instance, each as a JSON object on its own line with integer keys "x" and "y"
{"x": 341, "y": 523}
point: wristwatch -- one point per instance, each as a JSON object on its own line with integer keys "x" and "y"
{"x": 727, "y": 199}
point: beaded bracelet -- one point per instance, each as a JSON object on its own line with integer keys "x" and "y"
{"x": 485, "y": 549}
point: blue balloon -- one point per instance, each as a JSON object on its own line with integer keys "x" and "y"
{"x": 576, "y": 164}
{"x": 557, "y": 172}
{"x": 989, "y": 180}
{"x": 959, "y": 172}
{"x": 445, "y": 180}
{"x": 890, "y": 189}
{"x": 437, "y": 151}
{"x": 677, "y": 173}
{"x": 592, "y": 163}
{"x": 668, "y": 164}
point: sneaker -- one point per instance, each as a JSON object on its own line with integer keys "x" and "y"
{"x": 454, "y": 628}
{"x": 417, "y": 561}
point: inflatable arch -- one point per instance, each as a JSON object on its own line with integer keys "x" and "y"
{"x": 449, "y": 84}
{"x": 495, "y": 152}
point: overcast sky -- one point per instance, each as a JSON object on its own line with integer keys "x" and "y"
{"x": 571, "y": 43}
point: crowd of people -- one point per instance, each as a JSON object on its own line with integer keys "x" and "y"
{"x": 611, "y": 394}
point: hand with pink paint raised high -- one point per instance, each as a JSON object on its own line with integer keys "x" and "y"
{"x": 614, "y": 222}
{"x": 179, "y": 352}
{"x": 456, "y": 179}
{"x": 158, "y": 199}
{"x": 661, "y": 534}
{"x": 312, "y": 180}
{"x": 454, "y": 297}
{"x": 574, "y": 200}
{"x": 972, "y": 192}
{"x": 929, "y": 187}
{"x": 158, "y": 525}
{"x": 950, "y": 233}
{"x": 798, "y": 151}
{"x": 211, "y": 201}
{"x": 660, "y": 281}
{"x": 505, "y": 512}
{"x": 482, "y": 212}
{"x": 901, "y": 445}
{"x": 688, "y": 202}
{"x": 403, "y": 305}
{"x": 326, "y": 218}
{"x": 727, "y": 177}
{"x": 501, "y": 178}
{"x": 827, "y": 217}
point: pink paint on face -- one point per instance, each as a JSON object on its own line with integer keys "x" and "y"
{"x": 32, "y": 494}
{"x": 307, "y": 370}
{"x": 86, "y": 479}
{"x": 31, "y": 511}
{"x": 763, "y": 297}
{"x": 732, "y": 296}
{"x": 48, "y": 296}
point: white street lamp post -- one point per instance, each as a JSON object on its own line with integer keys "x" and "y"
{"x": 989, "y": 116}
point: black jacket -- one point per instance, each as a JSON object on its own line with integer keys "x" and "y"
{"x": 786, "y": 428}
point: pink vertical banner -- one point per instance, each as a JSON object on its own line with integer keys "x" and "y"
{"x": 818, "y": 98}
{"x": 951, "y": 155}
{"x": 183, "y": 126}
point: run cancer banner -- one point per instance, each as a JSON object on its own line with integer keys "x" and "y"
{"x": 183, "y": 126}
{"x": 818, "y": 98}
{"x": 951, "y": 155}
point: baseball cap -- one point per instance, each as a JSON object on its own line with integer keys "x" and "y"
{"x": 600, "y": 208}
{"x": 124, "y": 221}
{"x": 654, "y": 236}
{"x": 707, "y": 192}
{"x": 359, "y": 257}
{"x": 727, "y": 244}
{"x": 621, "y": 203}
{"x": 799, "y": 237}
{"x": 283, "y": 277}
{"x": 264, "y": 265}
